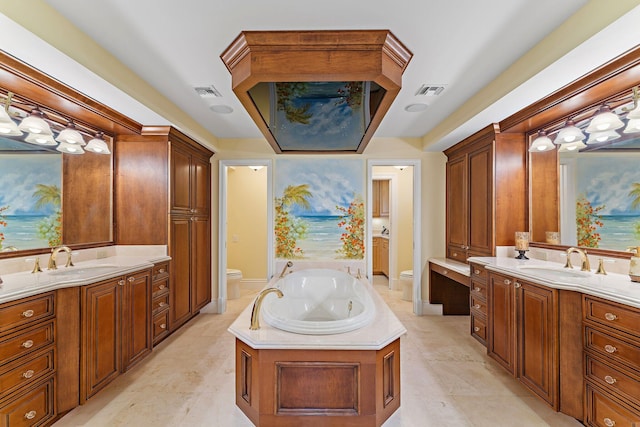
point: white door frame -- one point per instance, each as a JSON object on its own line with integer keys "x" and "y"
{"x": 417, "y": 215}
{"x": 222, "y": 222}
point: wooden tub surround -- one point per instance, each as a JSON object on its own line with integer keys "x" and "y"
{"x": 348, "y": 379}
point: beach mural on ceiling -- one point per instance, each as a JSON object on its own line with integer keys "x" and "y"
{"x": 319, "y": 209}
{"x": 608, "y": 201}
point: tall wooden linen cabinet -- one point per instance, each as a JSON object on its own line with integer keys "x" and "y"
{"x": 163, "y": 197}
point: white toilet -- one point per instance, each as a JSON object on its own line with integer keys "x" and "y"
{"x": 406, "y": 285}
{"x": 233, "y": 283}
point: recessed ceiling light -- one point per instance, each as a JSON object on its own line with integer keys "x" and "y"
{"x": 221, "y": 109}
{"x": 415, "y": 108}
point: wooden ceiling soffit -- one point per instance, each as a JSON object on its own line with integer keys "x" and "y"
{"x": 280, "y": 76}
{"x": 44, "y": 91}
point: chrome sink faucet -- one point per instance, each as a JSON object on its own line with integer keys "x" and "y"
{"x": 583, "y": 257}
{"x": 289, "y": 264}
{"x": 255, "y": 312}
{"x": 54, "y": 253}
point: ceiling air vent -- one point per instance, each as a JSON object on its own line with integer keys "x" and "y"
{"x": 208, "y": 92}
{"x": 430, "y": 90}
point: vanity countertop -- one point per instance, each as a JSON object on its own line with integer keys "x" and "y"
{"x": 380, "y": 235}
{"x": 24, "y": 284}
{"x": 457, "y": 266}
{"x": 612, "y": 286}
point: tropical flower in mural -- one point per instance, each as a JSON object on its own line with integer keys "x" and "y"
{"x": 588, "y": 220}
{"x": 352, "y": 220}
{"x": 3, "y": 222}
{"x": 49, "y": 228}
{"x": 288, "y": 228}
{"x": 635, "y": 204}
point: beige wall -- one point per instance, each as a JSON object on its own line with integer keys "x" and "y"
{"x": 247, "y": 221}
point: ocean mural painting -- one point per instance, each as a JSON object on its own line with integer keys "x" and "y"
{"x": 30, "y": 201}
{"x": 319, "y": 209}
{"x": 608, "y": 201}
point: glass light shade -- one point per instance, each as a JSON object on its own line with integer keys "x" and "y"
{"x": 541, "y": 143}
{"x": 70, "y": 136}
{"x": 572, "y": 146}
{"x": 634, "y": 114}
{"x": 98, "y": 145}
{"x": 67, "y": 148}
{"x": 569, "y": 133}
{"x": 604, "y": 120}
{"x": 34, "y": 123}
{"x": 633, "y": 126}
{"x": 600, "y": 137}
{"x": 7, "y": 126}
{"x": 40, "y": 139}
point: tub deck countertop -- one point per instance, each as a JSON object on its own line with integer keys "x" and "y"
{"x": 384, "y": 329}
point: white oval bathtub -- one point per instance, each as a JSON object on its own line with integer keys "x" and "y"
{"x": 319, "y": 302}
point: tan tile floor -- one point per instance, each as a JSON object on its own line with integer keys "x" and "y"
{"x": 447, "y": 379}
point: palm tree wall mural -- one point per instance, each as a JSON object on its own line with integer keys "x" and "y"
{"x": 319, "y": 209}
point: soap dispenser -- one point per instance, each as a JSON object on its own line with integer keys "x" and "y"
{"x": 634, "y": 265}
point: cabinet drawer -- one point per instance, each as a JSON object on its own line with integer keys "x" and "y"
{"x": 604, "y": 411}
{"x": 478, "y": 289}
{"x": 457, "y": 253}
{"x": 160, "y": 326}
{"x": 478, "y": 272}
{"x": 613, "y": 315}
{"x": 478, "y": 304}
{"x": 26, "y": 341}
{"x": 611, "y": 347}
{"x": 479, "y": 328}
{"x": 612, "y": 378}
{"x": 35, "y": 407}
{"x": 26, "y": 311}
{"x": 451, "y": 274}
{"x": 160, "y": 270}
{"x": 22, "y": 373}
{"x": 160, "y": 303}
{"x": 160, "y": 287}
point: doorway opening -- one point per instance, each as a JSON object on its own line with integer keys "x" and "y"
{"x": 245, "y": 245}
{"x": 393, "y": 223}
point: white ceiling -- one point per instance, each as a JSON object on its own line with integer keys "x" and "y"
{"x": 463, "y": 44}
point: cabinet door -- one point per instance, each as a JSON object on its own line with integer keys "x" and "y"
{"x": 375, "y": 198}
{"x": 100, "y": 336}
{"x": 136, "y": 315}
{"x": 384, "y": 257}
{"x": 457, "y": 218}
{"x": 538, "y": 340}
{"x": 383, "y": 198}
{"x": 377, "y": 268}
{"x": 480, "y": 238}
{"x": 180, "y": 289}
{"x": 200, "y": 188}
{"x": 501, "y": 317}
{"x": 201, "y": 263}
{"x": 180, "y": 180}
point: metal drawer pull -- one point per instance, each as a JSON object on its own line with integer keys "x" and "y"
{"x": 476, "y": 329}
{"x": 609, "y": 379}
{"x": 27, "y": 344}
{"x": 121, "y": 282}
{"x": 477, "y": 289}
{"x": 162, "y": 270}
{"x": 162, "y": 304}
{"x": 507, "y": 281}
{"x": 131, "y": 279}
{"x": 30, "y": 415}
{"x": 455, "y": 254}
{"x": 477, "y": 306}
{"x": 163, "y": 326}
{"x": 162, "y": 286}
{"x": 476, "y": 272}
{"x": 610, "y": 316}
{"x": 609, "y": 422}
{"x": 28, "y": 313}
{"x": 516, "y": 285}
{"x": 610, "y": 349}
{"x": 28, "y": 374}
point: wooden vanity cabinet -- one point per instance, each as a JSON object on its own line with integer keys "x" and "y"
{"x": 523, "y": 331}
{"x": 486, "y": 180}
{"x": 116, "y": 330}
{"x": 380, "y": 256}
{"x": 478, "y": 302}
{"x": 28, "y": 361}
{"x": 612, "y": 362}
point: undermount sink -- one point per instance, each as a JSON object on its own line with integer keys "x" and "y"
{"x": 553, "y": 272}
{"x": 90, "y": 270}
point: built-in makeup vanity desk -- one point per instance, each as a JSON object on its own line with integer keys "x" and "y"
{"x": 449, "y": 285}
{"x": 66, "y": 333}
{"x": 571, "y": 337}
